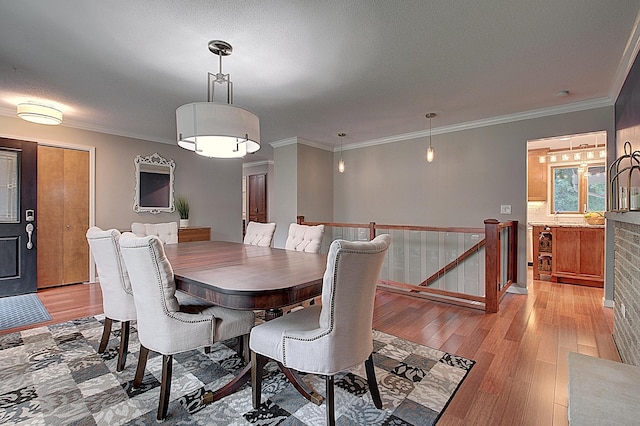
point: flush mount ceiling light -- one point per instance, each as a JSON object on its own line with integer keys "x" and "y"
{"x": 39, "y": 113}
{"x": 430, "y": 151}
{"x": 218, "y": 129}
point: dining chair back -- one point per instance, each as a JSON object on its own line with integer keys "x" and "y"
{"x": 334, "y": 336}
{"x": 167, "y": 232}
{"x": 117, "y": 298}
{"x": 304, "y": 238}
{"x": 259, "y": 234}
{"x": 164, "y": 324}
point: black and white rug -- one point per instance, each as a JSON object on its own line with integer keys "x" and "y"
{"x": 25, "y": 309}
{"x": 54, "y": 376}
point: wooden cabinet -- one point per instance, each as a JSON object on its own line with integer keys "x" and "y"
{"x": 578, "y": 255}
{"x": 537, "y": 176}
{"x": 186, "y": 235}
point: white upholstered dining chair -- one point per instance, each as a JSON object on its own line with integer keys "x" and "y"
{"x": 117, "y": 299}
{"x": 304, "y": 238}
{"x": 259, "y": 234}
{"x": 165, "y": 325}
{"x": 167, "y": 232}
{"x": 332, "y": 337}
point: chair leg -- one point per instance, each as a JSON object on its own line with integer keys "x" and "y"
{"x": 124, "y": 345}
{"x": 142, "y": 364}
{"x": 106, "y": 331}
{"x": 165, "y": 386}
{"x": 331, "y": 415}
{"x": 373, "y": 382}
{"x": 243, "y": 348}
{"x": 258, "y": 362}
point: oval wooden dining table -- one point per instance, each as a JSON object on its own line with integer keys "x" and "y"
{"x": 241, "y": 276}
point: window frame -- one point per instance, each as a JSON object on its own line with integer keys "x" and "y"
{"x": 582, "y": 185}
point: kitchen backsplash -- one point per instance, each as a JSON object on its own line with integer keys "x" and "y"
{"x": 538, "y": 212}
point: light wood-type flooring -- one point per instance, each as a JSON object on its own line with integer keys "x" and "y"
{"x": 520, "y": 376}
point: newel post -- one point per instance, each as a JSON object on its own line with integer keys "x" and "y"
{"x": 492, "y": 267}
{"x": 300, "y": 220}
{"x": 372, "y": 230}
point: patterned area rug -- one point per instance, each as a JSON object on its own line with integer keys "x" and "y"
{"x": 16, "y": 311}
{"x": 53, "y": 375}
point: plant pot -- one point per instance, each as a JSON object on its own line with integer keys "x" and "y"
{"x": 184, "y": 223}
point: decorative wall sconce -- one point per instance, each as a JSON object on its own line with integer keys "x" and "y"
{"x": 624, "y": 181}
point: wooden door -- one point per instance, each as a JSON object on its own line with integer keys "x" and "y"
{"x": 257, "y": 207}
{"x": 63, "y": 257}
{"x": 18, "y": 246}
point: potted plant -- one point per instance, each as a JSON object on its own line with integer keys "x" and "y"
{"x": 182, "y": 205}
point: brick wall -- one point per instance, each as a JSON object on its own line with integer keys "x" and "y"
{"x": 626, "y": 330}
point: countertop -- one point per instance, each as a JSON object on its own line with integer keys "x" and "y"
{"x": 565, "y": 225}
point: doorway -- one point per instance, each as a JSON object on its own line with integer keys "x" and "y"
{"x": 566, "y": 180}
{"x": 257, "y": 198}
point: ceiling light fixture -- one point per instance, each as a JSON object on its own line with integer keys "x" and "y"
{"x": 217, "y": 129}
{"x": 341, "y": 162}
{"x": 39, "y": 113}
{"x": 430, "y": 151}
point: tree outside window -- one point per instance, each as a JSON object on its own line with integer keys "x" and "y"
{"x": 578, "y": 189}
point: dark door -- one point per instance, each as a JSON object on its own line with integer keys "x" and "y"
{"x": 18, "y": 195}
{"x": 258, "y": 198}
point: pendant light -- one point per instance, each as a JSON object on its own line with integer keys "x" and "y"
{"x": 430, "y": 152}
{"x": 341, "y": 162}
{"x": 217, "y": 129}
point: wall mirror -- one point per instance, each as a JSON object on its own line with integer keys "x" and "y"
{"x": 154, "y": 184}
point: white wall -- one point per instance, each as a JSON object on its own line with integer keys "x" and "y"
{"x": 474, "y": 172}
{"x": 213, "y": 186}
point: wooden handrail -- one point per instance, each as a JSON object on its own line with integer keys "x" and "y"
{"x": 494, "y": 289}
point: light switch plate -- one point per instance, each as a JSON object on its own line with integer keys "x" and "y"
{"x": 505, "y": 209}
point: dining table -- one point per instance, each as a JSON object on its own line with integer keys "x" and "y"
{"x": 248, "y": 277}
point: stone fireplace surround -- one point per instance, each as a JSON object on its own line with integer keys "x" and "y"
{"x": 626, "y": 288}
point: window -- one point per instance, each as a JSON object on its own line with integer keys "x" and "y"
{"x": 578, "y": 189}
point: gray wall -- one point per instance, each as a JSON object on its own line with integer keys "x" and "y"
{"x": 285, "y": 207}
{"x": 212, "y": 186}
{"x": 473, "y": 173}
{"x": 315, "y": 183}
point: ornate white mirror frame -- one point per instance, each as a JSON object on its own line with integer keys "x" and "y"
{"x": 154, "y": 184}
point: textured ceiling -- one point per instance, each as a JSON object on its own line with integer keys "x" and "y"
{"x": 311, "y": 69}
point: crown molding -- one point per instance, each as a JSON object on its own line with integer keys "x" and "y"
{"x": 295, "y": 140}
{"x": 628, "y": 57}
{"x": 258, "y": 163}
{"x": 526, "y": 115}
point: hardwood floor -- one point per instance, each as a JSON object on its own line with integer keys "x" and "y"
{"x": 521, "y": 371}
{"x": 520, "y": 376}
